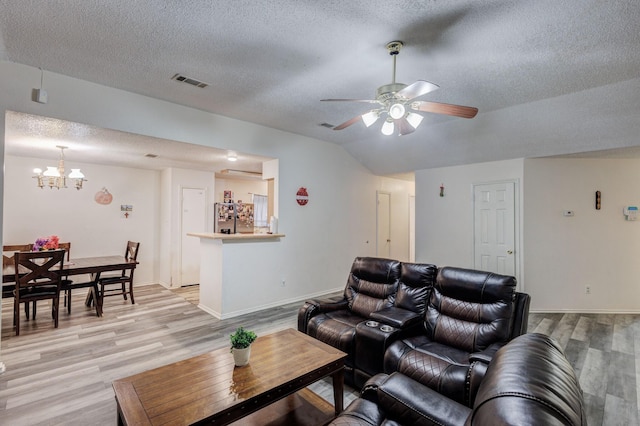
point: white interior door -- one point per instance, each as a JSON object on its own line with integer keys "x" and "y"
{"x": 494, "y": 227}
{"x": 383, "y": 224}
{"x": 194, "y": 214}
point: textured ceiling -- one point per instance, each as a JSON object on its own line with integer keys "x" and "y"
{"x": 549, "y": 77}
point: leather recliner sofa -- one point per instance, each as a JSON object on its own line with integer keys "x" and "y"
{"x": 529, "y": 381}
{"x": 471, "y": 314}
{"x": 373, "y": 285}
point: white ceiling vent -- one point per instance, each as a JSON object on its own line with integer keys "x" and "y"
{"x": 189, "y": 80}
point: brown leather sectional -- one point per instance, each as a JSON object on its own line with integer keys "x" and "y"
{"x": 528, "y": 382}
{"x": 439, "y": 326}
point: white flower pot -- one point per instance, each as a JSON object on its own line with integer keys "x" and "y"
{"x": 241, "y": 356}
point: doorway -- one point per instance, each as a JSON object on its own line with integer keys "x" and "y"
{"x": 494, "y": 223}
{"x": 193, "y": 220}
{"x": 383, "y": 224}
{"x": 412, "y": 228}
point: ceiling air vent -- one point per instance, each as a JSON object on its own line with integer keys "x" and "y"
{"x": 151, "y": 155}
{"x": 327, "y": 125}
{"x": 188, "y": 80}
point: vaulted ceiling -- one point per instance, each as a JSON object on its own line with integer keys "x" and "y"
{"x": 548, "y": 77}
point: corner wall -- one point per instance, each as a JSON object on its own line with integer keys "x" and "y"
{"x": 444, "y": 225}
{"x": 594, "y": 248}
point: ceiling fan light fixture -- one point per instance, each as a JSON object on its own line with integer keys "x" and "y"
{"x": 388, "y": 127}
{"x": 396, "y": 111}
{"x": 414, "y": 119}
{"x": 370, "y": 117}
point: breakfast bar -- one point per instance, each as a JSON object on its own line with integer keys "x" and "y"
{"x": 218, "y": 258}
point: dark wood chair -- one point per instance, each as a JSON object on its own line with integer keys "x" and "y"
{"x": 38, "y": 276}
{"x": 8, "y": 251}
{"x": 118, "y": 282}
{"x": 66, "y": 283}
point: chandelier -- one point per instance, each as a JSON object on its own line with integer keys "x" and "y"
{"x": 54, "y": 177}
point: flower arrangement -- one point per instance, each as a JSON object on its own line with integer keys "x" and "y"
{"x": 46, "y": 243}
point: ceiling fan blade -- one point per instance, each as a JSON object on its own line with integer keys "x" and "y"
{"x": 369, "y": 101}
{"x": 404, "y": 128}
{"x": 448, "y": 109}
{"x": 419, "y": 88}
{"x": 348, "y": 123}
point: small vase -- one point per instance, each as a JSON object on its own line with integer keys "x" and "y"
{"x": 241, "y": 356}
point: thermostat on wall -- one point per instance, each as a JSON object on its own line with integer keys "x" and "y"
{"x": 630, "y": 212}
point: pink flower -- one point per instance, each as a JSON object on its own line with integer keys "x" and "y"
{"x": 46, "y": 243}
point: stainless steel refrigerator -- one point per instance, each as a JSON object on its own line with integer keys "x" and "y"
{"x": 232, "y": 218}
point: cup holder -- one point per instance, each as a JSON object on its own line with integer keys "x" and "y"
{"x": 372, "y": 323}
{"x": 386, "y": 328}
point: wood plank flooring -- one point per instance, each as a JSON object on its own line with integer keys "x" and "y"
{"x": 63, "y": 376}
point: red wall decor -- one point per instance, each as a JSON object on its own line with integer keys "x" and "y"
{"x": 302, "y": 197}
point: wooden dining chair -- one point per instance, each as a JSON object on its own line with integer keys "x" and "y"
{"x": 38, "y": 276}
{"x": 8, "y": 251}
{"x": 119, "y": 281}
{"x": 66, "y": 284}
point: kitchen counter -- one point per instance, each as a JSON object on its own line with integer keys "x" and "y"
{"x": 234, "y": 237}
{"x": 228, "y": 265}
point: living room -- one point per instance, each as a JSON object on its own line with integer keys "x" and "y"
{"x": 568, "y": 264}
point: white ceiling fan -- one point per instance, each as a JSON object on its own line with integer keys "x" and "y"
{"x": 396, "y": 102}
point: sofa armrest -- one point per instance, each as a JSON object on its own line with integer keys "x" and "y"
{"x": 521, "y": 314}
{"x": 397, "y": 317}
{"x": 409, "y": 402}
{"x": 486, "y": 355}
{"x": 312, "y": 308}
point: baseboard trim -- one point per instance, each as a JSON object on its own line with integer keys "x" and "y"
{"x": 586, "y": 311}
{"x": 269, "y": 305}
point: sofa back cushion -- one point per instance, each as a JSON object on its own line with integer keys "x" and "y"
{"x": 470, "y": 309}
{"x": 529, "y": 381}
{"x": 414, "y": 288}
{"x": 372, "y": 284}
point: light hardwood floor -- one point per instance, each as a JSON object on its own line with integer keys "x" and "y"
{"x": 63, "y": 376}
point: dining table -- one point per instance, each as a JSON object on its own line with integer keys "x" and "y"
{"x": 92, "y": 266}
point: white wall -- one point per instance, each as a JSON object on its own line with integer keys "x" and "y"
{"x": 93, "y": 229}
{"x": 444, "y": 225}
{"x": 241, "y": 189}
{"x": 595, "y": 248}
{"x": 322, "y": 238}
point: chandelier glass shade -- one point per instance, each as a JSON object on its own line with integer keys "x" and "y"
{"x": 54, "y": 177}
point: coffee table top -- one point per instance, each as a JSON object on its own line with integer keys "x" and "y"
{"x": 209, "y": 386}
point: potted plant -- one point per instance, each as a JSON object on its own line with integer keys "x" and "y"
{"x": 241, "y": 342}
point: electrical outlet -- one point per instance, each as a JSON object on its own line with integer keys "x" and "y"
{"x": 587, "y": 290}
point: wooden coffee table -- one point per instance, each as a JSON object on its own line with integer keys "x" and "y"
{"x": 209, "y": 388}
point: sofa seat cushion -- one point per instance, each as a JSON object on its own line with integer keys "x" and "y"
{"x": 337, "y": 329}
{"x": 442, "y": 368}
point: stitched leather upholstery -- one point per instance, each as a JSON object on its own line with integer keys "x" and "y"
{"x": 528, "y": 382}
{"x": 469, "y": 312}
{"x": 372, "y": 285}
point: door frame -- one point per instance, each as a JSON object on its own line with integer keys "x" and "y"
{"x": 517, "y": 232}
{"x": 205, "y": 190}
{"x": 378, "y": 221}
